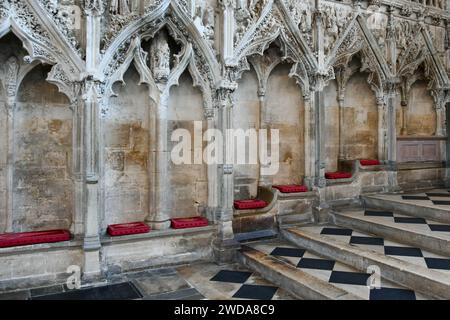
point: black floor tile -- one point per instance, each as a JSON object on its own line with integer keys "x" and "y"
{"x": 431, "y": 194}
{"x": 415, "y": 198}
{"x": 120, "y": 291}
{"x": 439, "y": 227}
{"x": 288, "y": 252}
{"x": 441, "y": 202}
{"x": 392, "y": 294}
{"x": 255, "y": 292}
{"x": 410, "y": 220}
{"x": 438, "y": 263}
{"x": 354, "y": 278}
{"x": 337, "y": 231}
{"x": 320, "y": 264}
{"x": 402, "y": 251}
{"x": 367, "y": 240}
{"x": 232, "y": 276}
{"x": 371, "y": 213}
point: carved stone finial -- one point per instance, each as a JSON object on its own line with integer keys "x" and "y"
{"x": 160, "y": 57}
{"x": 94, "y": 7}
{"x": 12, "y": 71}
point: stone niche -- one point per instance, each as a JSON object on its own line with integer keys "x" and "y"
{"x": 42, "y": 174}
{"x": 359, "y": 127}
{"x": 283, "y": 110}
{"x": 126, "y": 136}
{"x": 188, "y": 183}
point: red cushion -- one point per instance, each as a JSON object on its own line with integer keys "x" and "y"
{"x": 27, "y": 238}
{"x": 369, "y": 162}
{"x": 193, "y": 222}
{"x": 128, "y": 228}
{"x": 291, "y": 188}
{"x": 250, "y": 204}
{"x": 338, "y": 175}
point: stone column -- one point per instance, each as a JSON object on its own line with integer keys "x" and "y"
{"x": 225, "y": 245}
{"x": 212, "y": 172}
{"x": 91, "y": 243}
{"x": 91, "y": 96}
{"x": 404, "y": 117}
{"x": 391, "y": 102}
{"x": 341, "y": 122}
{"x": 310, "y": 158}
{"x": 382, "y": 128}
{"x": 159, "y": 219}
{"x": 11, "y": 86}
{"x": 228, "y": 28}
{"x": 264, "y": 180}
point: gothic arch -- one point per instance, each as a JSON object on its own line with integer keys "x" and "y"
{"x": 276, "y": 24}
{"x": 20, "y": 19}
{"x": 198, "y": 57}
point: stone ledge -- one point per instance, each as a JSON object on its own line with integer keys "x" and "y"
{"x": 106, "y": 240}
{"x": 76, "y": 243}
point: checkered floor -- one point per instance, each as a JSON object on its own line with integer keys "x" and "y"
{"x": 334, "y": 272}
{"x": 436, "y": 198}
{"x": 395, "y": 220}
{"x": 231, "y": 282}
{"x": 397, "y": 250}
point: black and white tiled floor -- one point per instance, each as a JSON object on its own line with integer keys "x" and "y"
{"x": 334, "y": 272}
{"x": 436, "y": 198}
{"x": 395, "y": 220}
{"x": 397, "y": 250}
{"x": 230, "y": 282}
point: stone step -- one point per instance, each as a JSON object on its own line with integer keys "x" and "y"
{"x": 428, "y": 209}
{"x": 419, "y": 232}
{"x": 307, "y": 275}
{"x": 421, "y": 279}
{"x": 298, "y": 283}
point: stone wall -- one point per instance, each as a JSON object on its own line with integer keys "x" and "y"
{"x": 126, "y": 139}
{"x": 42, "y": 178}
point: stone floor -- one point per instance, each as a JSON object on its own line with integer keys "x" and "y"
{"x": 202, "y": 281}
{"x": 338, "y": 274}
{"x": 436, "y": 198}
{"x": 394, "y": 249}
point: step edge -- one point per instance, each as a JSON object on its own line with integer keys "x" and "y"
{"x": 288, "y": 271}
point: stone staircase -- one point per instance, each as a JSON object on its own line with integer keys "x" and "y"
{"x": 408, "y": 249}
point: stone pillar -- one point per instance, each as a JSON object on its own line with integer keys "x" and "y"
{"x": 310, "y": 154}
{"x": 77, "y": 136}
{"x": 11, "y": 86}
{"x": 212, "y": 172}
{"x": 159, "y": 219}
{"x": 340, "y": 126}
{"x": 264, "y": 180}
{"x": 91, "y": 96}
{"x": 225, "y": 245}
{"x": 228, "y": 28}
{"x": 391, "y": 102}
{"x": 91, "y": 243}
{"x": 382, "y": 128}
{"x": 404, "y": 117}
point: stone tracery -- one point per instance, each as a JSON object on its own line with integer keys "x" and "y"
{"x": 392, "y": 41}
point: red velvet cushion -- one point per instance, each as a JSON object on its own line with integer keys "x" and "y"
{"x": 27, "y": 238}
{"x": 128, "y": 228}
{"x": 369, "y": 162}
{"x": 338, "y": 175}
{"x": 291, "y": 188}
{"x": 194, "y": 222}
{"x": 250, "y": 204}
